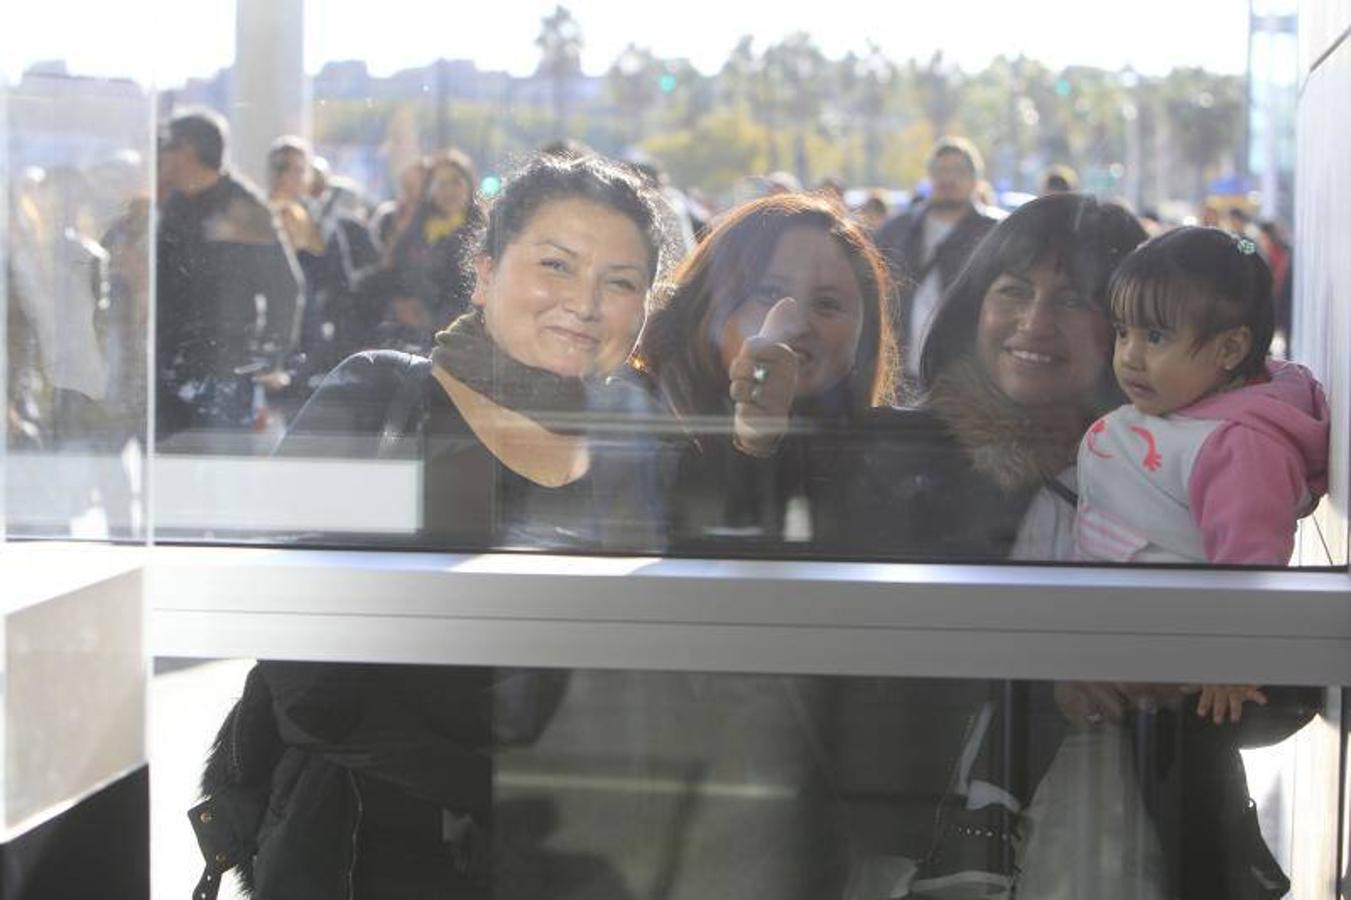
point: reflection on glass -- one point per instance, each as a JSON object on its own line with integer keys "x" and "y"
{"x": 901, "y": 364}
{"x": 227, "y": 304}
{"x": 78, "y": 294}
{"x": 414, "y": 780}
{"x": 497, "y": 418}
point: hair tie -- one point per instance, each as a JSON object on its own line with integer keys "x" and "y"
{"x": 1245, "y": 246}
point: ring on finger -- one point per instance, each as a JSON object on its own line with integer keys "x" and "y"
{"x": 760, "y": 373}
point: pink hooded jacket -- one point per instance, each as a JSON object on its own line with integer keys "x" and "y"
{"x": 1264, "y": 468}
{"x": 1223, "y": 480}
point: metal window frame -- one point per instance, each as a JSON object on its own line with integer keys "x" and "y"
{"x": 923, "y": 620}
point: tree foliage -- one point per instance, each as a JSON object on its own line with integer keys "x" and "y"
{"x": 864, "y": 117}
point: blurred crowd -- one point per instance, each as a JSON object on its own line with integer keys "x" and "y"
{"x": 260, "y": 291}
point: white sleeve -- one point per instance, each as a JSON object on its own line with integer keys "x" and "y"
{"x": 1046, "y": 533}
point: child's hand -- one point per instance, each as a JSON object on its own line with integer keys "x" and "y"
{"x": 1223, "y": 702}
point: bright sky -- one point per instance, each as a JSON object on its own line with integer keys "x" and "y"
{"x": 172, "y": 39}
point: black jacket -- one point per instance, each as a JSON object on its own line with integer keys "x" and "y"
{"x": 351, "y": 780}
{"x": 920, "y": 497}
{"x": 219, "y": 251}
{"x": 340, "y": 318}
{"x": 901, "y": 241}
{"x": 950, "y": 503}
{"x": 437, "y": 273}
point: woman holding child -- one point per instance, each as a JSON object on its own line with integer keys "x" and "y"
{"x": 1018, "y": 366}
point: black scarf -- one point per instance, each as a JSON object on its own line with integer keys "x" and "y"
{"x": 468, "y": 352}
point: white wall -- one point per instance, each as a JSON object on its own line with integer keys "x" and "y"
{"x": 1323, "y": 238}
{"x": 1323, "y": 340}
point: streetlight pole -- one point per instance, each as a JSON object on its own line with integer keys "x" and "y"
{"x": 442, "y": 113}
{"x": 1130, "y": 112}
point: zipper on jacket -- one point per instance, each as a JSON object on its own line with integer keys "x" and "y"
{"x": 356, "y": 827}
{"x": 236, "y": 769}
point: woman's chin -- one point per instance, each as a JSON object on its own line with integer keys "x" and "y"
{"x": 568, "y": 365}
{"x": 568, "y": 370}
{"x": 1035, "y": 392}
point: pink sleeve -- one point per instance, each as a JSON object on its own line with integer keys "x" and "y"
{"x": 1244, "y": 490}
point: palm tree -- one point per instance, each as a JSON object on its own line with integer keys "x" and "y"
{"x": 634, "y": 80}
{"x": 739, "y": 76}
{"x": 868, "y": 81}
{"x": 799, "y": 70}
{"x": 1204, "y": 113}
{"x": 560, "y": 47}
{"x": 940, "y": 91}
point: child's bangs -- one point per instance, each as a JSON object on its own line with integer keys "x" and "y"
{"x": 1149, "y": 302}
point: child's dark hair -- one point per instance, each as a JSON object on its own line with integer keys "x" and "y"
{"x": 1204, "y": 278}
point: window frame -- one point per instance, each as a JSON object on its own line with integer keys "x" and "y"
{"x": 830, "y": 618}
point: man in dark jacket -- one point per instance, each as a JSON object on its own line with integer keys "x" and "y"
{"x": 928, "y": 244}
{"x": 229, "y": 298}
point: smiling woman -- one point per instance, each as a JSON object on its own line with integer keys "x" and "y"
{"x": 1015, "y": 368}
{"x": 567, "y": 295}
{"x": 826, "y": 323}
{"x": 392, "y": 765}
{"x": 770, "y": 349}
{"x": 1040, "y": 341}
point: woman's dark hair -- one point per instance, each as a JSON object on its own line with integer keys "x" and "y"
{"x": 456, "y": 249}
{"x": 474, "y": 215}
{"x": 1087, "y": 238}
{"x": 460, "y": 162}
{"x": 1202, "y": 278}
{"x": 545, "y": 178}
{"x": 678, "y": 348}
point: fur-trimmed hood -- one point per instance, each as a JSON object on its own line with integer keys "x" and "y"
{"x": 1015, "y": 450}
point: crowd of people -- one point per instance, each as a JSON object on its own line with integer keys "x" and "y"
{"x": 586, "y": 362}
{"x": 1049, "y": 384}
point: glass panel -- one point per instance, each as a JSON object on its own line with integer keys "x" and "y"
{"x": 926, "y": 396}
{"x": 77, "y": 272}
{"x": 4, "y": 302}
{"x": 613, "y": 784}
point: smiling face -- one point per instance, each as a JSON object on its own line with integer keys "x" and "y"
{"x": 567, "y": 294}
{"x": 811, "y": 266}
{"x": 1163, "y": 369}
{"x": 1039, "y": 340}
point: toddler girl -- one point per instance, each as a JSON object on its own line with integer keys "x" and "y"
{"x": 1216, "y": 456}
{"x": 1220, "y": 449}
